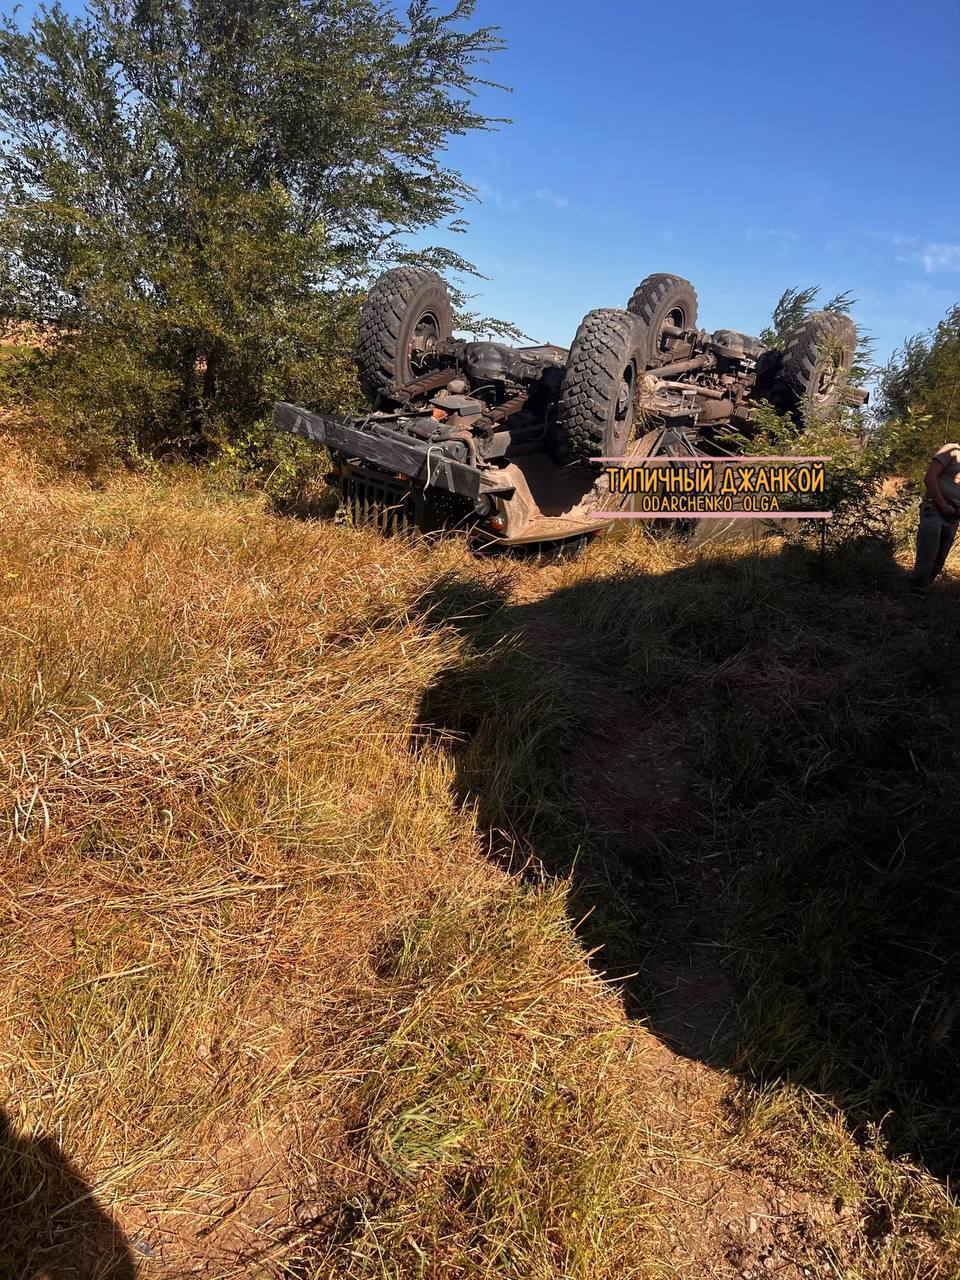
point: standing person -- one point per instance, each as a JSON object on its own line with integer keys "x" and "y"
{"x": 939, "y": 516}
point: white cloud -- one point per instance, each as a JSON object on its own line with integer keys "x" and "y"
{"x": 940, "y": 257}
{"x": 546, "y": 196}
{"x": 768, "y": 233}
{"x": 892, "y": 237}
{"x": 511, "y": 202}
{"x": 500, "y": 199}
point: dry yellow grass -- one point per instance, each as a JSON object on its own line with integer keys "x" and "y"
{"x": 266, "y": 1008}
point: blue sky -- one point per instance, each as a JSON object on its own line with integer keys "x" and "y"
{"x": 746, "y": 146}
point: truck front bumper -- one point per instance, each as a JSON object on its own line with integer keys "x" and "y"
{"x": 394, "y": 452}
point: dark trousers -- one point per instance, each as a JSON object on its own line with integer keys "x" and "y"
{"x": 934, "y": 539}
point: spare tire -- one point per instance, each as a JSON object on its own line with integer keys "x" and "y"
{"x": 595, "y": 412}
{"x": 817, "y": 361}
{"x": 663, "y": 300}
{"x": 403, "y": 304}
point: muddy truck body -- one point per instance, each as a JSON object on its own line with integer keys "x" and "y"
{"x": 510, "y": 442}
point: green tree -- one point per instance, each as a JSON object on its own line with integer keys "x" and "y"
{"x": 924, "y": 375}
{"x": 918, "y": 402}
{"x": 193, "y": 194}
{"x": 793, "y": 307}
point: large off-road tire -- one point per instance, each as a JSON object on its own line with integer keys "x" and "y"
{"x": 817, "y": 362}
{"x": 663, "y": 300}
{"x": 595, "y": 412}
{"x": 402, "y": 304}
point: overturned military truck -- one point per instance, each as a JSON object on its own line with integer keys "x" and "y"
{"x": 510, "y": 441}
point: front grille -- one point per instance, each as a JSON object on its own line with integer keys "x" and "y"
{"x": 375, "y": 498}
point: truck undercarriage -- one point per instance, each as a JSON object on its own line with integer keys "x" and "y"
{"x": 511, "y": 441}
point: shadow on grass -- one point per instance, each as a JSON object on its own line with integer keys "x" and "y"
{"x": 50, "y": 1223}
{"x": 747, "y": 769}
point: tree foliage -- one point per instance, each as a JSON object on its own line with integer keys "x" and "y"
{"x": 924, "y": 375}
{"x": 193, "y": 194}
{"x": 793, "y": 307}
{"x": 918, "y": 402}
